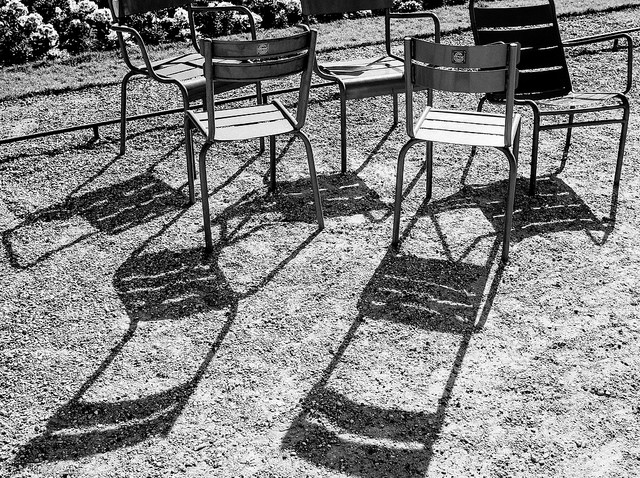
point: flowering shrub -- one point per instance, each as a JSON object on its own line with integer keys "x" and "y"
{"x": 32, "y": 29}
{"x": 23, "y": 35}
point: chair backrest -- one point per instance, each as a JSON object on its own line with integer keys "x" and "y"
{"x": 123, "y": 8}
{"x": 245, "y": 61}
{"x": 461, "y": 69}
{"x": 543, "y": 67}
{"x": 322, "y": 7}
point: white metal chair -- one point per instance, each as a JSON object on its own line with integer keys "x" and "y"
{"x": 460, "y": 69}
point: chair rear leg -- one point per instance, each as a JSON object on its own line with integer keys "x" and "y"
{"x": 567, "y": 142}
{"x": 511, "y": 195}
{"x": 123, "y": 111}
{"x": 204, "y": 191}
{"x": 190, "y": 159}
{"x": 534, "y": 153}
{"x": 313, "y": 178}
{"x": 343, "y": 131}
{"x": 395, "y": 235}
{"x": 481, "y": 103}
{"x": 395, "y": 109}
{"x": 272, "y": 164}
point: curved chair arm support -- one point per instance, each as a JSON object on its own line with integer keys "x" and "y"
{"x": 227, "y": 8}
{"x": 608, "y": 37}
{"x": 148, "y": 66}
{"x": 397, "y": 15}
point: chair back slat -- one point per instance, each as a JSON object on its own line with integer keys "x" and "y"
{"x": 543, "y": 66}
{"x": 259, "y": 49}
{"x": 487, "y": 81}
{"x": 321, "y": 7}
{"x": 503, "y": 17}
{"x": 451, "y": 56}
{"x": 242, "y": 71}
{"x": 530, "y": 37}
{"x": 534, "y": 58}
{"x": 123, "y": 8}
{"x": 232, "y": 61}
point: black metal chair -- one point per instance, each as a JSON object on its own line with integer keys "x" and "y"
{"x": 545, "y": 82}
{"x": 461, "y": 69}
{"x": 363, "y": 77}
{"x": 256, "y": 61}
{"x": 184, "y": 71}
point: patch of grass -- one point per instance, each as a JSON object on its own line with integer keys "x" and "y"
{"x": 106, "y": 68}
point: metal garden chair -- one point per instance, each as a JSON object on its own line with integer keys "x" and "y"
{"x": 364, "y": 77}
{"x": 545, "y": 82}
{"x": 460, "y": 69}
{"x": 184, "y": 71}
{"x": 256, "y": 61}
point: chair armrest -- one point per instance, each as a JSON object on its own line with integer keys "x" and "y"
{"x": 225, "y": 8}
{"x": 148, "y": 65}
{"x": 398, "y": 15}
{"x": 608, "y": 37}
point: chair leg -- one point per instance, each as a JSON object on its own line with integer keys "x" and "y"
{"x": 123, "y": 111}
{"x": 534, "y": 152}
{"x": 481, "y": 103}
{"x": 511, "y": 195}
{"x": 343, "y": 131}
{"x": 429, "y": 157}
{"x": 204, "y": 191}
{"x": 190, "y": 159}
{"x": 567, "y": 142}
{"x": 272, "y": 164}
{"x": 623, "y": 139}
{"x": 395, "y": 109}
{"x": 395, "y": 235}
{"x": 314, "y": 179}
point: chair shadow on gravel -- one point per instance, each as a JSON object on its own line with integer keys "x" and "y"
{"x": 153, "y": 286}
{"x": 443, "y": 296}
{"x": 160, "y": 286}
{"x": 110, "y": 210}
{"x": 344, "y": 434}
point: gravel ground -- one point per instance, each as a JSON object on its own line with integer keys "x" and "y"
{"x": 125, "y": 351}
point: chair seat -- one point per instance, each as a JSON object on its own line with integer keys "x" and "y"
{"x": 581, "y": 100}
{"x": 464, "y": 127}
{"x": 369, "y": 76}
{"x": 246, "y": 123}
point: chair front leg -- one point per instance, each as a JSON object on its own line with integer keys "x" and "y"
{"x": 395, "y": 235}
{"x": 204, "y": 191}
{"x": 567, "y": 142}
{"x": 123, "y": 111}
{"x": 623, "y": 140}
{"x": 429, "y": 157}
{"x": 313, "y": 178}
